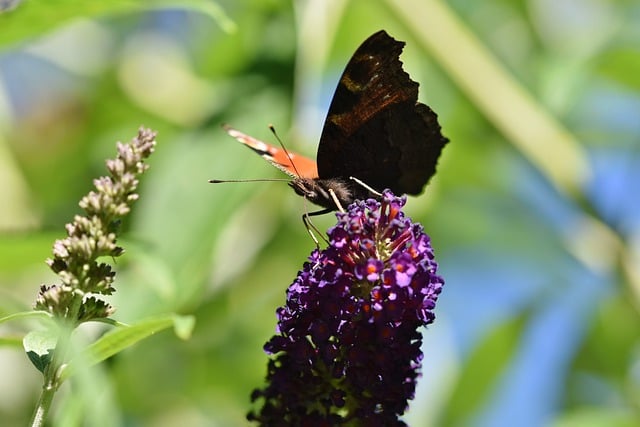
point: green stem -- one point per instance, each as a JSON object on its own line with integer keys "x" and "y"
{"x": 44, "y": 404}
{"x": 50, "y": 383}
{"x": 52, "y": 379}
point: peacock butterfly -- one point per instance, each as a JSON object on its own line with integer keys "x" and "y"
{"x": 376, "y": 131}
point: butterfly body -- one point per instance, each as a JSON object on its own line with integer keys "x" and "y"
{"x": 318, "y": 191}
{"x": 376, "y": 131}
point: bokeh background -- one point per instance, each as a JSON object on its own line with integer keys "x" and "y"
{"x": 534, "y": 212}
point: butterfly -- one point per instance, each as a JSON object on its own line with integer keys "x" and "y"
{"x": 376, "y": 134}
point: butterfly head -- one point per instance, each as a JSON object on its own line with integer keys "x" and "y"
{"x": 318, "y": 191}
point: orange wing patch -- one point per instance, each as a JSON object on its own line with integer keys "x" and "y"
{"x": 294, "y": 165}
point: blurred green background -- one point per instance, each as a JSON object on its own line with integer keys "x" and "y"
{"x": 534, "y": 212}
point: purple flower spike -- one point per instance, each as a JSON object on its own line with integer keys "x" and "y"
{"x": 348, "y": 346}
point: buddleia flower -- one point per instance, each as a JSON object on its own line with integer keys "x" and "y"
{"x": 347, "y": 348}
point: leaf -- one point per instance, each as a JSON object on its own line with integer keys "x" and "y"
{"x": 597, "y": 417}
{"x": 25, "y": 315}
{"x": 34, "y": 17}
{"x": 621, "y": 64}
{"x": 14, "y": 341}
{"x": 484, "y": 367}
{"x": 119, "y": 339}
{"x": 183, "y": 326}
{"x": 20, "y": 251}
{"x": 11, "y": 342}
{"x": 39, "y": 346}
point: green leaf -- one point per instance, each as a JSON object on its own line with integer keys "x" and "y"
{"x": 183, "y": 326}
{"x": 26, "y": 315}
{"x": 19, "y": 251}
{"x": 483, "y": 369}
{"x": 35, "y": 17}
{"x": 39, "y": 346}
{"x": 11, "y": 342}
{"x": 117, "y": 340}
{"x": 597, "y": 417}
{"x": 622, "y": 64}
{"x": 14, "y": 341}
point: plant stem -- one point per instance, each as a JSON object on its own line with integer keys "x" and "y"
{"x": 44, "y": 404}
{"x": 51, "y": 373}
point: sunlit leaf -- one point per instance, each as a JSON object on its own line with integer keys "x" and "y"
{"x": 34, "y": 17}
{"x": 39, "y": 346}
{"x": 119, "y": 339}
{"x": 597, "y": 417}
{"x": 31, "y": 314}
{"x": 483, "y": 369}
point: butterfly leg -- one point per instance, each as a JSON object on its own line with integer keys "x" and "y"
{"x": 306, "y": 219}
{"x": 363, "y": 184}
{"x": 335, "y": 200}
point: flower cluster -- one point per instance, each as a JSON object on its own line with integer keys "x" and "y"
{"x": 347, "y": 350}
{"x": 94, "y": 235}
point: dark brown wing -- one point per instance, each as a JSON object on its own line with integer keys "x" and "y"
{"x": 375, "y": 129}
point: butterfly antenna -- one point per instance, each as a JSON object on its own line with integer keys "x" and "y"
{"x": 222, "y": 181}
{"x": 289, "y": 156}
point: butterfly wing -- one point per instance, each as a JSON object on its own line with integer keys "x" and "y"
{"x": 292, "y": 164}
{"x": 376, "y": 130}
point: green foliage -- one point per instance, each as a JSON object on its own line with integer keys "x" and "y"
{"x": 532, "y": 213}
{"x": 125, "y": 336}
{"x": 39, "y": 346}
{"x": 481, "y": 372}
{"x": 46, "y": 15}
